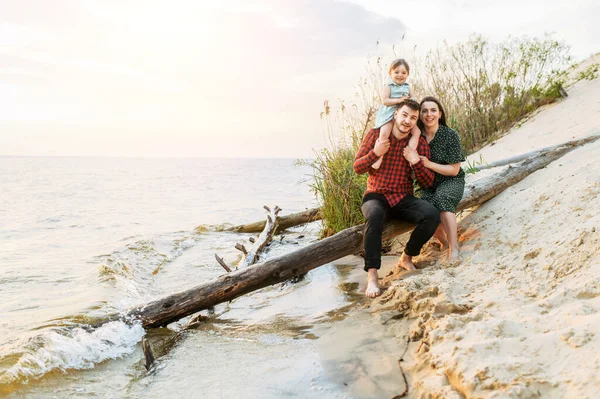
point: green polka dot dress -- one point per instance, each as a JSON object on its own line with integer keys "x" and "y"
{"x": 447, "y": 191}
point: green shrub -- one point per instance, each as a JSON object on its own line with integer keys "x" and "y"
{"x": 590, "y": 73}
{"x": 338, "y": 188}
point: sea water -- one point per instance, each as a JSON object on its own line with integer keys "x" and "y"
{"x": 81, "y": 238}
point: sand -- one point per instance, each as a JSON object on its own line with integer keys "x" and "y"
{"x": 519, "y": 317}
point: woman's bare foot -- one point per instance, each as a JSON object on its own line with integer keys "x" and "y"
{"x": 453, "y": 254}
{"x": 440, "y": 234}
{"x": 373, "y": 289}
{"x": 444, "y": 246}
{"x": 406, "y": 262}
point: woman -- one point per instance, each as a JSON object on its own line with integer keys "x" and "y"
{"x": 449, "y": 183}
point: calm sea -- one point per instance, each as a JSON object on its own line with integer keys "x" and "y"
{"x": 84, "y": 237}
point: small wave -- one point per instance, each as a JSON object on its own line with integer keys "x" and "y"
{"x": 132, "y": 268}
{"x": 204, "y": 228}
{"x": 74, "y": 348}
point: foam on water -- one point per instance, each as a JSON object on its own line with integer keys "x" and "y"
{"x": 132, "y": 267}
{"x": 142, "y": 215}
{"x": 74, "y": 348}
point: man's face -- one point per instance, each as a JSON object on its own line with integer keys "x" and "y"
{"x": 405, "y": 119}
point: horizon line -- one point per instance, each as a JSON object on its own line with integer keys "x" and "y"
{"x": 146, "y": 157}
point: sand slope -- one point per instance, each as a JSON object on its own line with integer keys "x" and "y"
{"x": 520, "y": 316}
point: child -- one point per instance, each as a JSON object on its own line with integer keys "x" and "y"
{"x": 393, "y": 94}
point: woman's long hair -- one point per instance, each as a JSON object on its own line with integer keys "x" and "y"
{"x": 443, "y": 113}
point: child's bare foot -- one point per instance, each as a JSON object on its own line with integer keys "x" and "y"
{"x": 406, "y": 262}
{"x": 373, "y": 289}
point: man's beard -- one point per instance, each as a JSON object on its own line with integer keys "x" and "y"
{"x": 401, "y": 128}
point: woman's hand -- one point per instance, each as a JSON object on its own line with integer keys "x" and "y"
{"x": 426, "y": 161}
{"x": 411, "y": 155}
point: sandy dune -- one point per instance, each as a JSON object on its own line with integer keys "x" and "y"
{"x": 519, "y": 317}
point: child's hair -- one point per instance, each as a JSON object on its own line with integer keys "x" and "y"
{"x": 397, "y": 62}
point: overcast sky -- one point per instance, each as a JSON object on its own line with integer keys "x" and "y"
{"x": 189, "y": 78}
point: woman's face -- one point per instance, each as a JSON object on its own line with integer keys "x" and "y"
{"x": 430, "y": 114}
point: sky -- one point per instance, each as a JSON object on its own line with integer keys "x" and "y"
{"x": 190, "y": 78}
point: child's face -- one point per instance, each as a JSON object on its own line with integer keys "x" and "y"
{"x": 399, "y": 74}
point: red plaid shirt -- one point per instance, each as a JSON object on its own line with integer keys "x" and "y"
{"x": 393, "y": 179}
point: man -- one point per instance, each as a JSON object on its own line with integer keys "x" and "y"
{"x": 390, "y": 191}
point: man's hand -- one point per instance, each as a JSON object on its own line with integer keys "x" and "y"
{"x": 411, "y": 155}
{"x": 381, "y": 147}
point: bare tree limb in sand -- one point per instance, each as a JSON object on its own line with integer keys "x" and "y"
{"x": 281, "y": 268}
{"x": 285, "y": 222}
{"x": 405, "y": 392}
{"x": 522, "y": 157}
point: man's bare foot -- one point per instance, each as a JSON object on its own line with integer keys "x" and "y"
{"x": 373, "y": 289}
{"x": 406, "y": 262}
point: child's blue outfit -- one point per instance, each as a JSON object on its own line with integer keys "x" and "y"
{"x": 386, "y": 113}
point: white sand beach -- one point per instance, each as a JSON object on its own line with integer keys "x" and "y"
{"x": 519, "y": 317}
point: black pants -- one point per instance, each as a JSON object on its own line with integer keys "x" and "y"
{"x": 410, "y": 209}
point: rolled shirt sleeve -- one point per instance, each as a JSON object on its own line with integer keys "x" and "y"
{"x": 365, "y": 157}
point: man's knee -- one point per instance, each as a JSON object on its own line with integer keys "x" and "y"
{"x": 430, "y": 213}
{"x": 373, "y": 211}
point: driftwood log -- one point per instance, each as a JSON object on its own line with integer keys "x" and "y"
{"x": 488, "y": 188}
{"x": 263, "y": 240}
{"x": 314, "y": 214}
{"x": 278, "y": 269}
{"x": 532, "y": 154}
{"x": 284, "y": 222}
{"x": 266, "y": 236}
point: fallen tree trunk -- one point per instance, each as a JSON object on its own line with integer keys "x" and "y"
{"x": 522, "y": 157}
{"x": 485, "y": 189}
{"x": 285, "y": 222}
{"x": 311, "y": 215}
{"x": 278, "y": 269}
